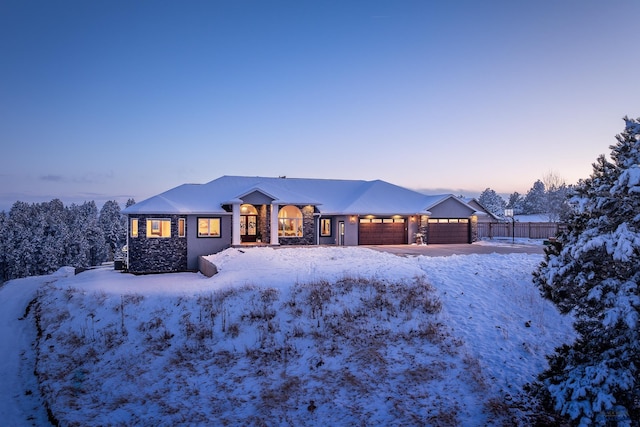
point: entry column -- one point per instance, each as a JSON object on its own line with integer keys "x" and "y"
{"x": 235, "y": 224}
{"x": 274, "y": 225}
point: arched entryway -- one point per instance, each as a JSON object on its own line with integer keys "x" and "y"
{"x": 248, "y": 223}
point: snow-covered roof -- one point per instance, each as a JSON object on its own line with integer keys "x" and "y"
{"x": 330, "y": 196}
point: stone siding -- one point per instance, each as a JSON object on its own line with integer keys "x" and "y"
{"x": 263, "y": 223}
{"x": 474, "y": 229}
{"x": 423, "y": 228}
{"x": 157, "y": 255}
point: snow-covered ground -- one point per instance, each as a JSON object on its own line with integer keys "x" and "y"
{"x": 304, "y": 336}
{"x": 532, "y": 218}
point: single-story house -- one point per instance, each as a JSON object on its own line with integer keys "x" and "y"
{"x": 489, "y": 217}
{"x": 168, "y": 232}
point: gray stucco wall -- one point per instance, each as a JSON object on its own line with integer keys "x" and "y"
{"x": 350, "y": 230}
{"x": 257, "y": 198}
{"x": 199, "y": 246}
{"x": 451, "y": 208}
{"x": 333, "y": 238}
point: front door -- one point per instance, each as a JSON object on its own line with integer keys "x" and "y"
{"x": 341, "y": 233}
{"x": 248, "y": 228}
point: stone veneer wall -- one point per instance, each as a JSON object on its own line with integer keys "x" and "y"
{"x": 263, "y": 218}
{"x": 474, "y": 229}
{"x": 157, "y": 255}
{"x": 424, "y": 228}
{"x": 308, "y": 229}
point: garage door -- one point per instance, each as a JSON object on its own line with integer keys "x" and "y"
{"x": 448, "y": 230}
{"x": 382, "y": 231}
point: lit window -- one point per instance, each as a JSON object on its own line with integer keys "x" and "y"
{"x": 181, "y": 227}
{"x": 290, "y": 222}
{"x": 208, "y": 227}
{"x": 325, "y": 227}
{"x": 158, "y": 228}
{"x": 133, "y": 228}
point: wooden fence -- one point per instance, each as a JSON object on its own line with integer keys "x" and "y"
{"x": 526, "y": 230}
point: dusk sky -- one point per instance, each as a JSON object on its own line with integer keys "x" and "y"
{"x": 109, "y": 100}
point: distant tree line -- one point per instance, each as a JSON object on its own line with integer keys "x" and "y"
{"x": 548, "y": 197}
{"x": 39, "y": 238}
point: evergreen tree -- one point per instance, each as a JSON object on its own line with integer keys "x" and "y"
{"x": 86, "y": 241}
{"x": 535, "y": 200}
{"x": 20, "y": 256}
{"x": 594, "y": 273}
{"x": 112, "y": 226}
{"x": 516, "y": 202}
{"x": 51, "y": 230}
{"x": 4, "y": 273}
{"x": 39, "y": 238}
{"x": 493, "y": 202}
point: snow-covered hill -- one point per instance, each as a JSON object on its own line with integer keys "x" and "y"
{"x": 304, "y": 336}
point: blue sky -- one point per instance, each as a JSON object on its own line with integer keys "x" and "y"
{"x": 109, "y": 100}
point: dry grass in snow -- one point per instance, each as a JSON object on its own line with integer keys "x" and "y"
{"x": 347, "y": 351}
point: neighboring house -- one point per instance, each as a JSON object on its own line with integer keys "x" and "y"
{"x": 168, "y": 232}
{"x": 488, "y": 216}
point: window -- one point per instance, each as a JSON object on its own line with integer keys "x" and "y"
{"x": 182, "y": 231}
{"x": 290, "y": 222}
{"x": 448, "y": 220}
{"x": 325, "y": 227}
{"x": 158, "y": 228}
{"x": 381, "y": 220}
{"x": 133, "y": 227}
{"x": 208, "y": 227}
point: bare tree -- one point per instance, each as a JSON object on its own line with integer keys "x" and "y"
{"x": 552, "y": 181}
{"x": 556, "y": 195}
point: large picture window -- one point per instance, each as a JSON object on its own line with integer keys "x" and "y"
{"x": 158, "y": 228}
{"x": 208, "y": 227}
{"x": 290, "y": 222}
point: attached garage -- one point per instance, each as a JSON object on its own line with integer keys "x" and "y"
{"x": 448, "y": 230}
{"x": 382, "y": 231}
